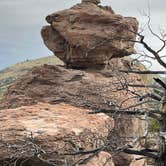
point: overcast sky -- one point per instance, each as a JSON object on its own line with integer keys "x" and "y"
{"x": 22, "y": 20}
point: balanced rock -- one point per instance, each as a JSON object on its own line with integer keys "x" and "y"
{"x": 89, "y": 35}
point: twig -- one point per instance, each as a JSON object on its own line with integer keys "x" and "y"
{"x": 143, "y": 72}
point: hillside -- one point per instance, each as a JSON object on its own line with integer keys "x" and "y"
{"x": 10, "y": 74}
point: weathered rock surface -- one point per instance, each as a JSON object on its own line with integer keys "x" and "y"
{"x": 90, "y": 89}
{"x": 123, "y": 159}
{"x": 51, "y": 130}
{"x": 95, "y": 89}
{"x": 44, "y": 115}
{"x": 88, "y": 35}
{"x": 142, "y": 162}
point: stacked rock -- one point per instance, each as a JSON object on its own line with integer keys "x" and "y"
{"x": 88, "y": 35}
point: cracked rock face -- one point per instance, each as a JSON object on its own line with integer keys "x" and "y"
{"x": 71, "y": 94}
{"x": 88, "y": 35}
{"x": 56, "y": 130}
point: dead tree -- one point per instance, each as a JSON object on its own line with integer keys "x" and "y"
{"x": 159, "y": 114}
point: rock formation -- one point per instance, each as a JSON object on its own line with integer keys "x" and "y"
{"x": 51, "y": 130}
{"x": 82, "y": 89}
{"x": 92, "y": 89}
{"x": 88, "y": 35}
{"x": 91, "y": 1}
{"x": 51, "y": 103}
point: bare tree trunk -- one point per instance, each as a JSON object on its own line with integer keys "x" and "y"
{"x": 162, "y": 144}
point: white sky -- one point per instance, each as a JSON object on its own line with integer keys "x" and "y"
{"x": 21, "y": 21}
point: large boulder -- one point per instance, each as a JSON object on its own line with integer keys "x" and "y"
{"x": 87, "y": 89}
{"x": 94, "y": 89}
{"x": 90, "y": 89}
{"x": 42, "y": 134}
{"x": 88, "y": 35}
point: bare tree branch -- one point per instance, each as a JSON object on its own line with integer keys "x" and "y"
{"x": 144, "y": 86}
{"x": 150, "y": 95}
{"x": 160, "y": 82}
{"x": 143, "y": 72}
{"x": 144, "y": 152}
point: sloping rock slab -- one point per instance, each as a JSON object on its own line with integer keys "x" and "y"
{"x": 49, "y": 131}
{"x": 55, "y": 84}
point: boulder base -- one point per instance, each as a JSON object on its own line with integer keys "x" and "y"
{"x": 51, "y": 131}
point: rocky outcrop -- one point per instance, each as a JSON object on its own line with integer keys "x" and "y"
{"x": 89, "y": 35}
{"x": 45, "y": 112}
{"x": 91, "y": 1}
{"x": 91, "y": 89}
{"x": 141, "y": 162}
{"x": 94, "y": 89}
{"x": 50, "y": 131}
